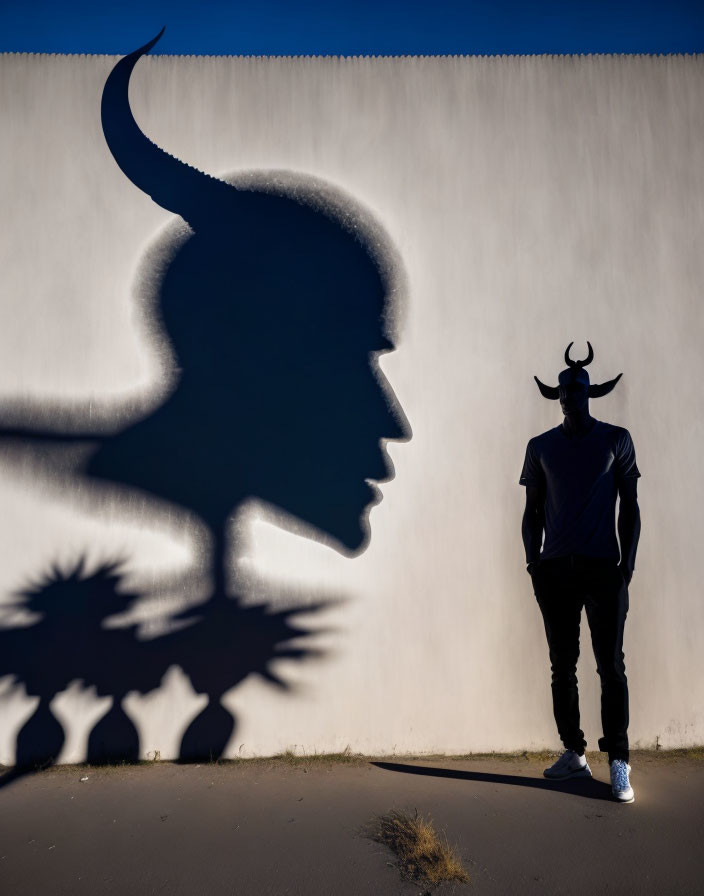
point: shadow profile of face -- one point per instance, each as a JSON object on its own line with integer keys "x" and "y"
{"x": 276, "y": 305}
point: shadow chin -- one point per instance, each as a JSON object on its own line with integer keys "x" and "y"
{"x": 349, "y": 539}
{"x": 354, "y": 542}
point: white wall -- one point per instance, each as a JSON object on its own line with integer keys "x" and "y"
{"x": 534, "y": 201}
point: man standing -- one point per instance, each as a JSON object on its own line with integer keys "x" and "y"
{"x": 572, "y": 474}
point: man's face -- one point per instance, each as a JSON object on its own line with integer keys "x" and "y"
{"x": 574, "y": 393}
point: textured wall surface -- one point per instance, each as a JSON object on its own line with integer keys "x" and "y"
{"x": 532, "y": 201}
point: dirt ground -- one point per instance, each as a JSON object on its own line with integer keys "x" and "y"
{"x": 268, "y": 828}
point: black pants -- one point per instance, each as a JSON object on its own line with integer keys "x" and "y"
{"x": 562, "y": 587}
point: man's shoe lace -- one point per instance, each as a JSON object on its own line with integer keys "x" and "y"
{"x": 619, "y": 774}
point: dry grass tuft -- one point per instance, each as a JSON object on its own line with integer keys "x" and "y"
{"x": 423, "y": 857}
{"x": 291, "y": 757}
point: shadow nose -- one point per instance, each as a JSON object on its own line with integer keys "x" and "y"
{"x": 398, "y": 427}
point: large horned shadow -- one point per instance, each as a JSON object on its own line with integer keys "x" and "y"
{"x": 275, "y": 304}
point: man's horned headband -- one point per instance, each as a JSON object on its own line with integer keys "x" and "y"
{"x": 575, "y": 373}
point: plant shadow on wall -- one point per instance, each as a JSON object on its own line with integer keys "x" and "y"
{"x": 272, "y": 307}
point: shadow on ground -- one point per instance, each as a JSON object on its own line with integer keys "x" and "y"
{"x": 587, "y": 787}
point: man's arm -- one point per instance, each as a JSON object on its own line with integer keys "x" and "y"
{"x": 533, "y": 522}
{"x": 628, "y": 525}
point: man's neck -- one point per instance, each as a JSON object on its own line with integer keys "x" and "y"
{"x": 578, "y": 424}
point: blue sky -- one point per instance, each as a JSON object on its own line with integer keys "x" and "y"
{"x": 347, "y": 28}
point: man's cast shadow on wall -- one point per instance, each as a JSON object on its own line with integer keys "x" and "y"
{"x": 272, "y": 310}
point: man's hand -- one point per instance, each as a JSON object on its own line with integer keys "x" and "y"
{"x": 532, "y": 566}
{"x": 626, "y": 573}
{"x": 533, "y": 524}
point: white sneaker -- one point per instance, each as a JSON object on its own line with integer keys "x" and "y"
{"x": 569, "y": 765}
{"x": 620, "y": 785}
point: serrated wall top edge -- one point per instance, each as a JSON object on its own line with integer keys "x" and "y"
{"x": 365, "y": 56}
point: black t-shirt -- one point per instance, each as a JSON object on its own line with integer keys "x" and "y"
{"x": 579, "y": 477}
